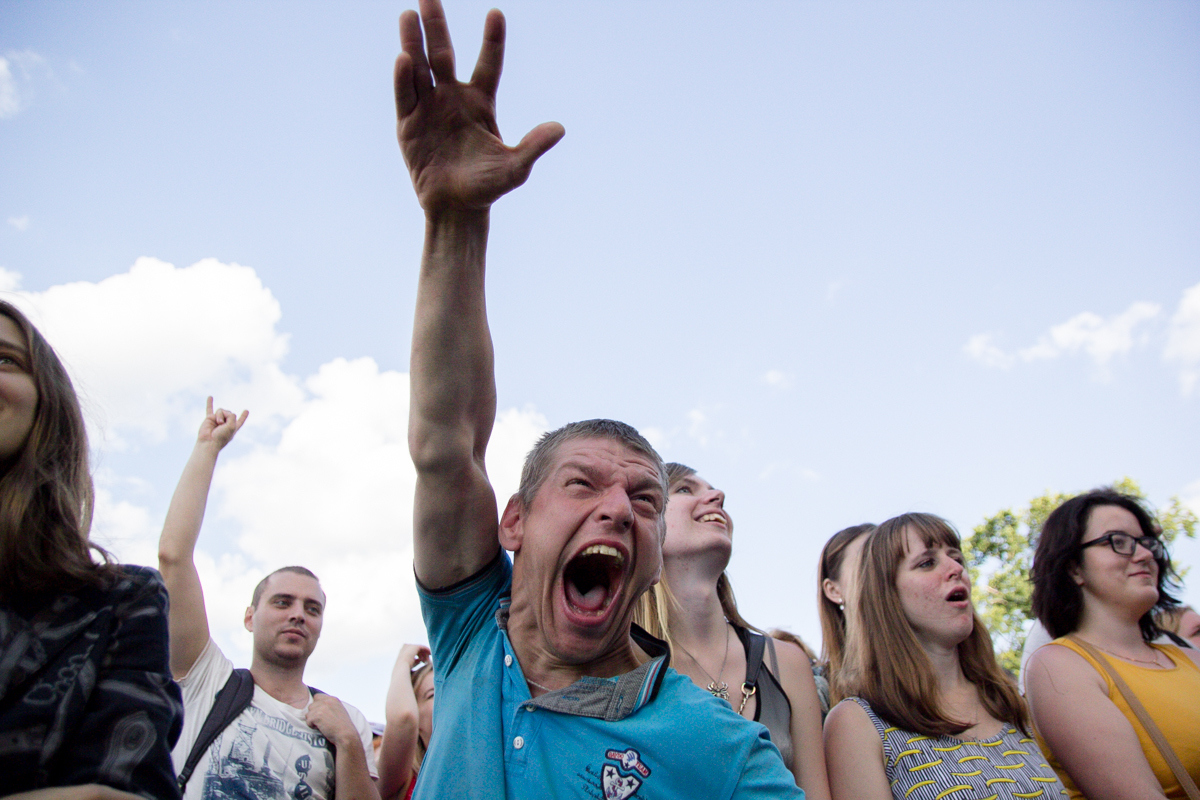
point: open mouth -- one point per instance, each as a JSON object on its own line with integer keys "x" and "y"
{"x": 714, "y": 517}
{"x": 959, "y": 595}
{"x": 591, "y": 579}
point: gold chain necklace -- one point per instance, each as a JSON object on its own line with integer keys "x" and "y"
{"x": 716, "y": 688}
{"x": 1155, "y": 662}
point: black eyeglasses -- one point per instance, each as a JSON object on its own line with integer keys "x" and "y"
{"x": 1123, "y": 544}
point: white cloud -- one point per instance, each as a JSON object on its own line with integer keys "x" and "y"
{"x": 659, "y": 439}
{"x": 514, "y": 435}
{"x": 1090, "y": 333}
{"x": 1183, "y": 340}
{"x": 10, "y": 102}
{"x": 981, "y": 348}
{"x": 335, "y": 494}
{"x": 777, "y": 378}
{"x": 144, "y": 344}
{"x": 21, "y": 223}
{"x": 26, "y": 64}
{"x": 320, "y": 475}
{"x": 10, "y": 281}
{"x": 1099, "y": 338}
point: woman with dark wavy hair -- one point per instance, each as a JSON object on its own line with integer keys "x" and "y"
{"x": 693, "y": 608}
{"x": 1100, "y": 572}
{"x": 89, "y": 709}
{"x": 930, "y": 713}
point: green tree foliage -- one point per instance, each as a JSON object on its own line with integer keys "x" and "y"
{"x": 1000, "y": 551}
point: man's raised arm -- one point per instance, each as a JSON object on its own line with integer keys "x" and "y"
{"x": 459, "y": 166}
{"x": 187, "y": 622}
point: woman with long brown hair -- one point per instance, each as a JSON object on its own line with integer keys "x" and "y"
{"x": 88, "y": 701}
{"x": 694, "y": 609}
{"x": 836, "y": 574}
{"x": 929, "y": 711}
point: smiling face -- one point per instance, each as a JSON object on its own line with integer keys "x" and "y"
{"x": 696, "y": 519}
{"x": 935, "y": 592}
{"x": 18, "y": 393}
{"x": 1126, "y": 584}
{"x": 287, "y": 621}
{"x": 585, "y": 548}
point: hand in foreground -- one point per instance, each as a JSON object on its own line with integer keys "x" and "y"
{"x": 220, "y": 426}
{"x": 327, "y": 714}
{"x": 447, "y": 130}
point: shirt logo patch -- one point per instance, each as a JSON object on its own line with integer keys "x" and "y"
{"x": 618, "y": 786}
{"x": 629, "y": 760}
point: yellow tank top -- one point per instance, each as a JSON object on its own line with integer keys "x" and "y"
{"x": 1171, "y": 698}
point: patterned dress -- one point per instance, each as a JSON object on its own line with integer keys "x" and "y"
{"x": 945, "y": 768}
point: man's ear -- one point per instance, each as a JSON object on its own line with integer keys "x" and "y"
{"x": 512, "y": 524}
{"x": 249, "y": 620}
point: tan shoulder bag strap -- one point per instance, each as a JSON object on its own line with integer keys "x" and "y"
{"x": 1181, "y": 774}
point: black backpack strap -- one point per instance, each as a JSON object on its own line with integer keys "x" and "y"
{"x": 754, "y": 660}
{"x": 230, "y": 702}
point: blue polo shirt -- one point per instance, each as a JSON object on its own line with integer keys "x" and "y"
{"x": 648, "y": 734}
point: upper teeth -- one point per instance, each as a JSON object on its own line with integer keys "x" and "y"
{"x": 713, "y": 518}
{"x": 604, "y": 550}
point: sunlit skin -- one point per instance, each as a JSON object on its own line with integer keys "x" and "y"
{"x": 1189, "y": 627}
{"x": 1127, "y": 585}
{"x": 598, "y": 492}
{"x": 18, "y": 393}
{"x": 697, "y": 520}
{"x": 287, "y": 621}
{"x": 935, "y": 593}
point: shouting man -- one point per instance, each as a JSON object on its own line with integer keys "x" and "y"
{"x": 544, "y": 687}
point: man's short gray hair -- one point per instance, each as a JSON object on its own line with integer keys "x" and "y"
{"x": 537, "y": 463}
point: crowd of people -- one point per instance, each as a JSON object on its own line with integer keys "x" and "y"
{"x": 584, "y": 637}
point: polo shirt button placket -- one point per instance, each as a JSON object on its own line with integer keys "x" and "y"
{"x": 518, "y": 742}
{"x": 507, "y": 660}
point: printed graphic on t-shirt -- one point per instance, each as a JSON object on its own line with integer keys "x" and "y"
{"x": 261, "y": 756}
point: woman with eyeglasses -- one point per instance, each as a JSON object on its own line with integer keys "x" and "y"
{"x": 1100, "y": 572}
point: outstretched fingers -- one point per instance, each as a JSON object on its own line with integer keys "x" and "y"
{"x": 412, "y": 78}
{"x": 437, "y": 35}
{"x": 491, "y": 54}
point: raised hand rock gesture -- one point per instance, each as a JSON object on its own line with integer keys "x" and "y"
{"x": 447, "y": 129}
{"x": 219, "y": 427}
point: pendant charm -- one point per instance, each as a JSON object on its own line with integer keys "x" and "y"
{"x": 720, "y": 690}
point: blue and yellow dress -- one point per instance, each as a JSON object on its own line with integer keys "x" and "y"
{"x": 923, "y": 767}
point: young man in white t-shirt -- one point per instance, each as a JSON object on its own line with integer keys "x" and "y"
{"x": 288, "y": 743}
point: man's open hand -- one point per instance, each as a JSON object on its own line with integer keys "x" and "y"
{"x": 447, "y": 130}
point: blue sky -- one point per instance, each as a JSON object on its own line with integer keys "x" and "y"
{"x": 845, "y": 259}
